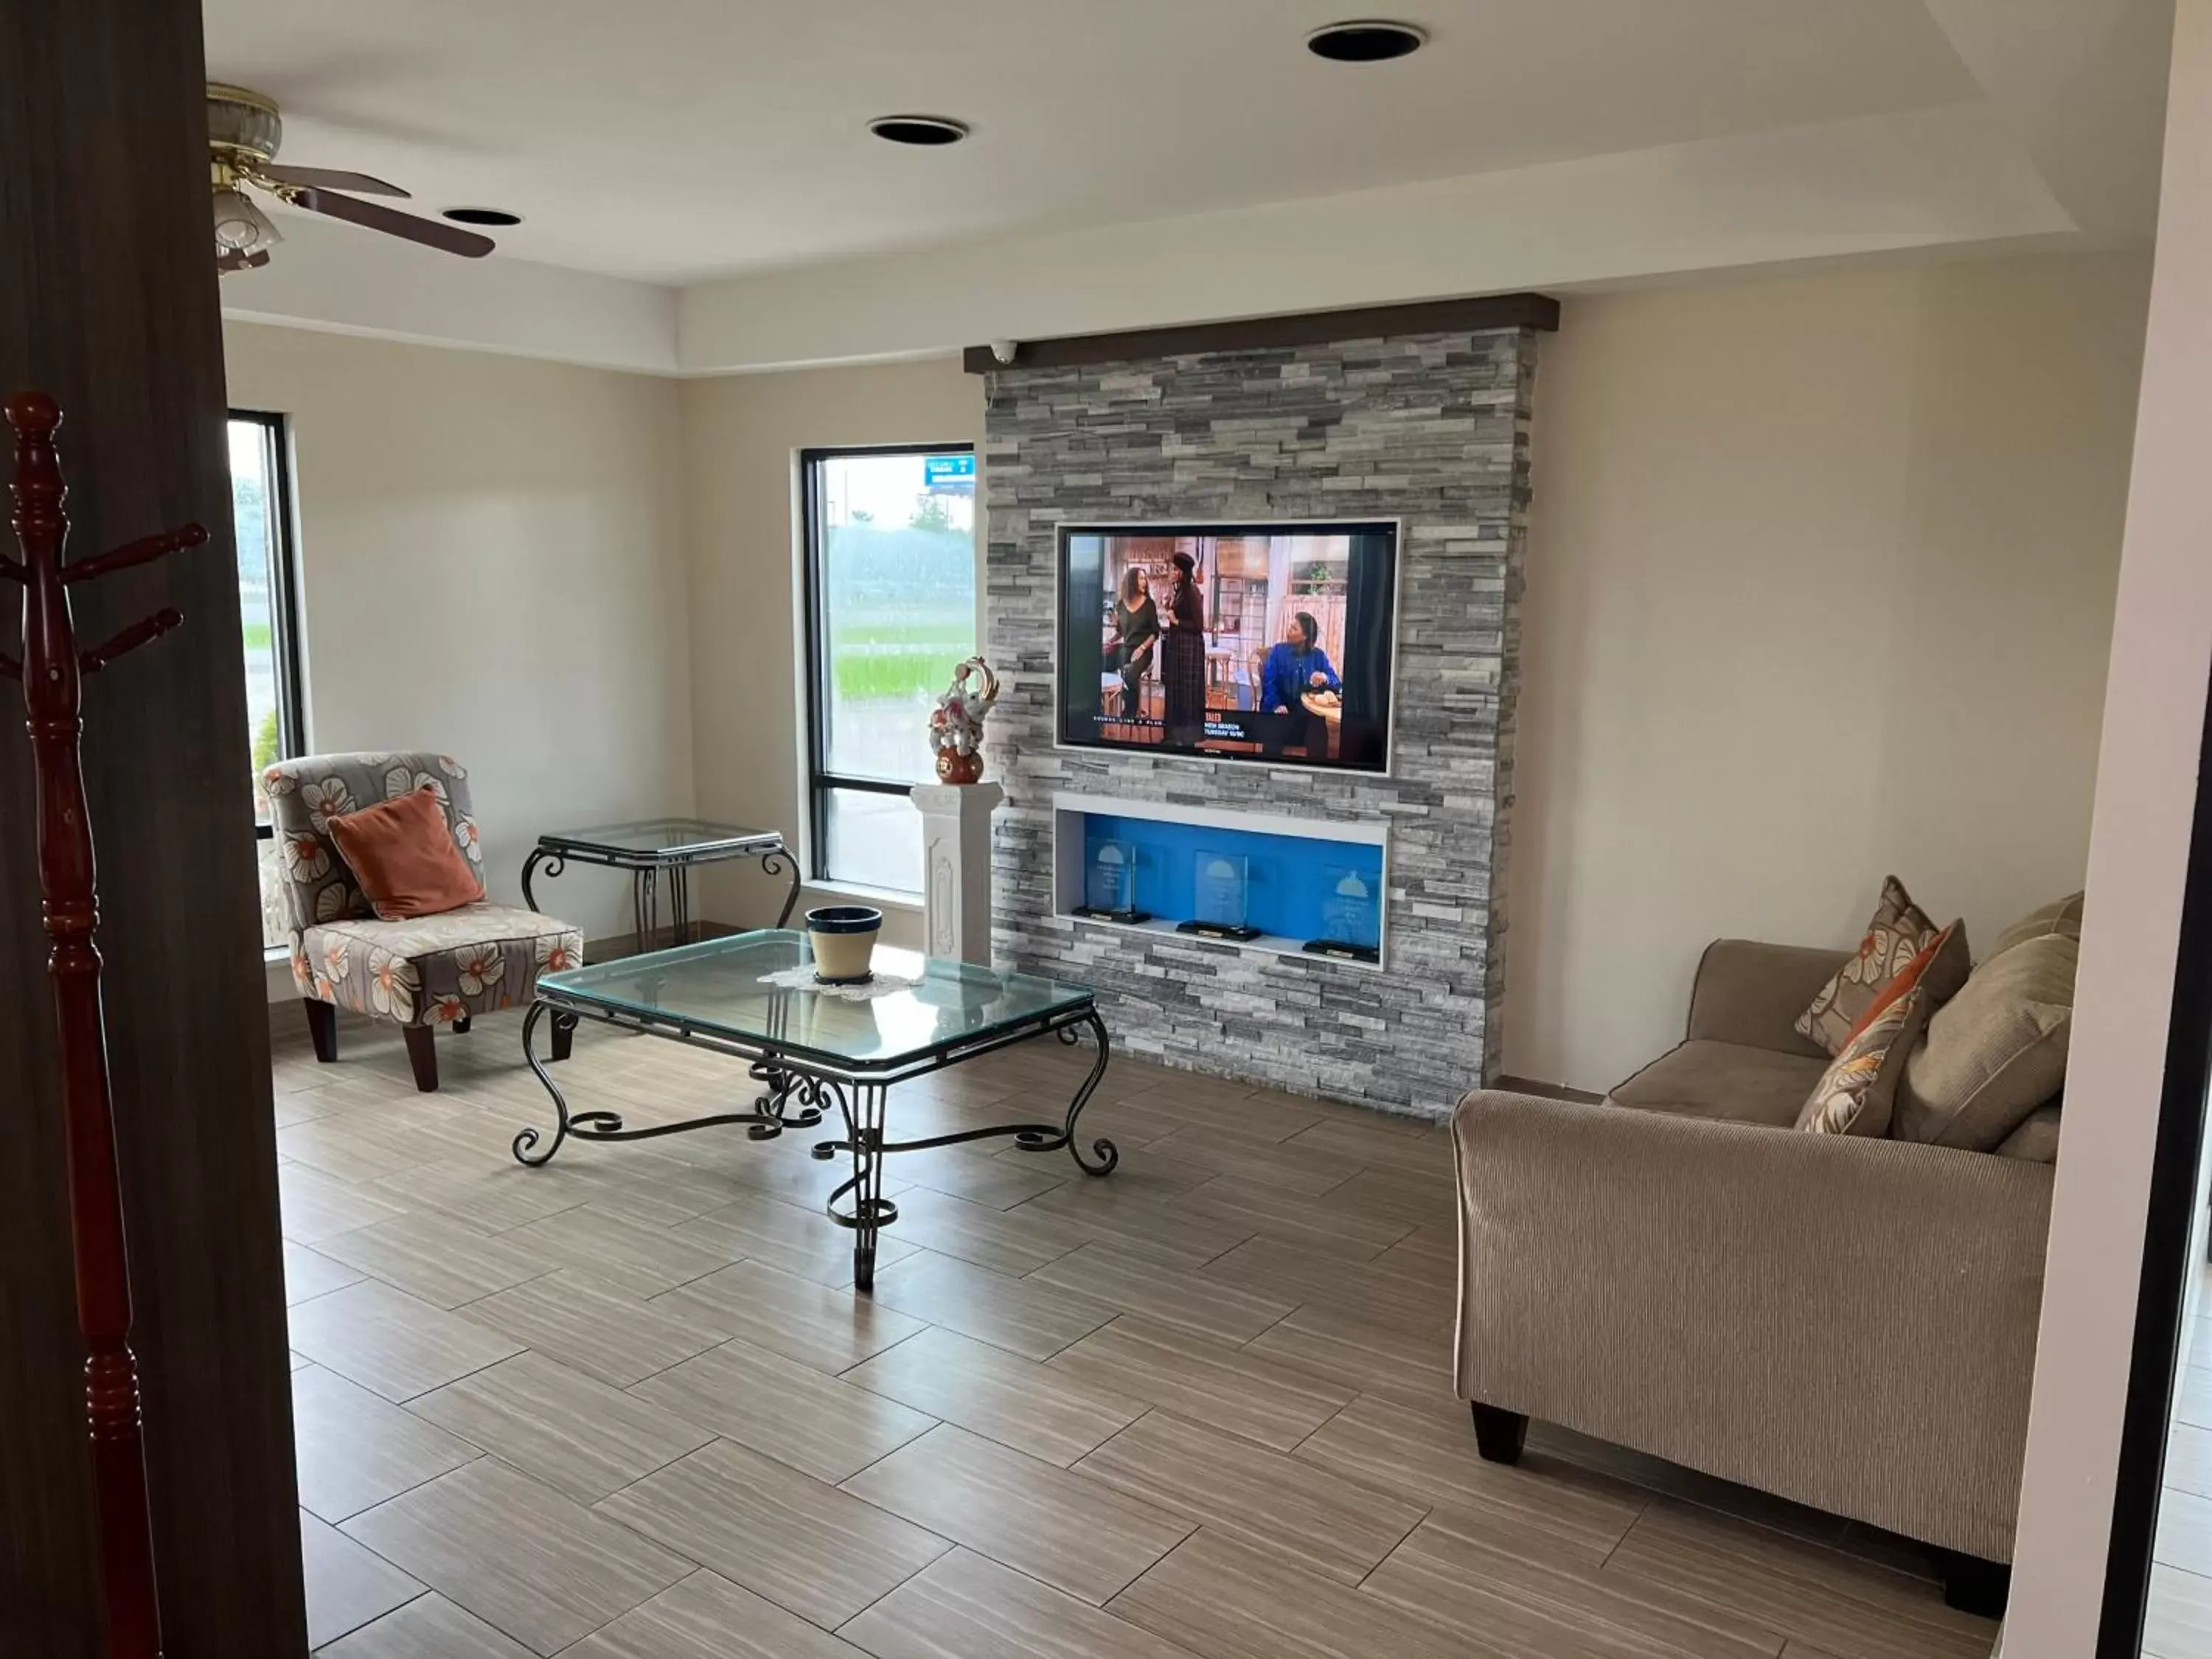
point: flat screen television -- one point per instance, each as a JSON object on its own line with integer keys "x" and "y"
{"x": 1267, "y": 643}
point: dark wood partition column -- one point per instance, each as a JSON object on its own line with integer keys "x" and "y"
{"x": 108, "y": 301}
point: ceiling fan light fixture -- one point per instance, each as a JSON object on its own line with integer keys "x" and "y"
{"x": 1366, "y": 41}
{"x": 240, "y": 226}
{"x": 922, "y": 129}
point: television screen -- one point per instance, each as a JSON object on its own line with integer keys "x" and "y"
{"x": 1263, "y": 642}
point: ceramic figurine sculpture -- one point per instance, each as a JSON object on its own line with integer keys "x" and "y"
{"x": 956, "y": 727}
{"x": 51, "y": 670}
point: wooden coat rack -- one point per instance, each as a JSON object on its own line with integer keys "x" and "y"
{"x": 51, "y": 670}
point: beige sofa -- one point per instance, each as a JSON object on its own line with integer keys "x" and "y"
{"x": 1847, "y": 1321}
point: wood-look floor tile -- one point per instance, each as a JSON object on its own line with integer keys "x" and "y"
{"x": 1253, "y": 1207}
{"x": 2189, "y": 1459}
{"x": 356, "y": 1449}
{"x": 2192, "y": 1399}
{"x": 804, "y": 1243}
{"x": 708, "y": 1617}
{"x": 1137, "y": 1210}
{"x": 493, "y": 1196}
{"x": 335, "y": 1147}
{"x": 2185, "y": 1531}
{"x": 1011, "y": 1241}
{"x": 1430, "y": 1456}
{"x": 1798, "y": 1590}
{"x": 308, "y": 1273}
{"x": 628, "y": 1255}
{"x": 348, "y": 1586}
{"x": 1708, "y": 1492}
{"x": 585, "y": 1323}
{"x": 970, "y": 1171}
{"x": 1020, "y": 1316}
{"x": 1203, "y": 1380}
{"x": 1295, "y": 1274}
{"x": 1394, "y": 1193}
{"x": 392, "y": 1343}
{"x": 1171, "y": 1296}
{"x": 1374, "y": 1145}
{"x": 1295, "y": 1169}
{"x": 1295, "y": 1510}
{"x": 812, "y": 1549}
{"x": 1272, "y": 1120}
{"x": 578, "y": 1434}
{"x": 653, "y": 1188}
{"x": 790, "y": 1411}
{"x": 517, "y": 1554}
{"x": 1050, "y": 1414}
{"x": 314, "y": 1205}
{"x": 1466, "y": 1573}
{"x": 2178, "y": 1614}
{"x": 1034, "y": 1516}
{"x": 1370, "y": 1356}
{"x": 963, "y": 1606}
{"x": 1219, "y": 1598}
{"x": 817, "y": 1325}
{"x": 444, "y": 1261}
{"x": 428, "y": 1627}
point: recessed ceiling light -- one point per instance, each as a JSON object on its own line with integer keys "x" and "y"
{"x": 919, "y": 128}
{"x": 483, "y": 216}
{"x": 1367, "y": 41}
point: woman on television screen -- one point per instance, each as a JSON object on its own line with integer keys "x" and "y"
{"x": 1296, "y": 666}
{"x": 1136, "y": 629}
{"x": 1183, "y": 655}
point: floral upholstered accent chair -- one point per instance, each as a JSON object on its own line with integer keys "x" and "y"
{"x": 422, "y": 973}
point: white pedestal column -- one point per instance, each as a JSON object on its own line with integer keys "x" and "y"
{"x": 956, "y": 868}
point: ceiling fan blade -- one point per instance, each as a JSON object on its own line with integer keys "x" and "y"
{"x": 329, "y": 179}
{"x": 449, "y": 239}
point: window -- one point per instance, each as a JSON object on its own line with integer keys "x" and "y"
{"x": 261, "y": 509}
{"x": 889, "y": 539}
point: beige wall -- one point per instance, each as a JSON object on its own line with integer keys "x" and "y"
{"x": 492, "y": 564}
{"x": 1820, "y": 585}
{"x": 742, "y": 434}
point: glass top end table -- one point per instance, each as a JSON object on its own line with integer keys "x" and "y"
{"x": 663, "y": 850}
{"x": 816, "y": 1050}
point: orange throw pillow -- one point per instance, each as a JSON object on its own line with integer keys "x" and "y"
{"x": 402, "y": 853}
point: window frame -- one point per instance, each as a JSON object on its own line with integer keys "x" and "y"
{"x": 285, "y": 626}
{"x": 820, "y": 780}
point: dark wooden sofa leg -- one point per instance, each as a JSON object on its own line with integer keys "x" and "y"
{"x": 323, "y": 1030}
{"x": 1499, "y": 1435}
{"x": 1973, "y": 1585}
{"x": 422, "y": 1056}
{"x": 564, "y": 1035}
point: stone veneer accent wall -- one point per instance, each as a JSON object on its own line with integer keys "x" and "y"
{"x": 1431, "y": 429}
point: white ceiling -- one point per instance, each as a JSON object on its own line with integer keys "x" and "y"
{"x": 719, "y": 146}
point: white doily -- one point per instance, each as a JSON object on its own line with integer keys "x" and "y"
{"x": 801, "y": 978}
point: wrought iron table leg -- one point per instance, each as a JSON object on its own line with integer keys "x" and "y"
{"x": 862, "y": 1105}
{"x": 679, "y": 904}
{"x": 778, "y": 861}
{"x": 554, "y": 864}
{"x": 526, "y": 1141}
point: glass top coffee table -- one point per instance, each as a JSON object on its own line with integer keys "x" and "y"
{"x": 817, "y": 1049}
{"x": 654, "y": 850}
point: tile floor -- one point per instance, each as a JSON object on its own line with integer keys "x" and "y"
{"x": 628, "y": 1407}
{"x": 2178, "y": 1621}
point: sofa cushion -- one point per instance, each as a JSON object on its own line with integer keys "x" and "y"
{"x": 1705, "y": 1078}
{"x": 1898, "y": 932}
{"x": 2060, "y": 917}
{"x": 2036, "y": 1138}
{"x": 431, "y": 969}
{"x": 403, "y": 853}
{"x": 1995, "y": 1052}
{"x": 1854, "y": 1095}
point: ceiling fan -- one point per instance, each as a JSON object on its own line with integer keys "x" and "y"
{"x": 244, "y": 132}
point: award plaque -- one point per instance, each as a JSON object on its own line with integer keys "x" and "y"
{"x": 1109, "y": 883}
{"x": 1221, "y": 883}
{"x": 1350, "y": 919}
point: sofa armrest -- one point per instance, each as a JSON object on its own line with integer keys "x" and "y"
{"x": 1845, "y": 1321}
{"x": 1752, "y": 993}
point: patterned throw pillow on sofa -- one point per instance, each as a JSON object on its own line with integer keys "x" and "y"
{"x": 1899, "y": 932}
{"x": 1855, "y": 1095}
